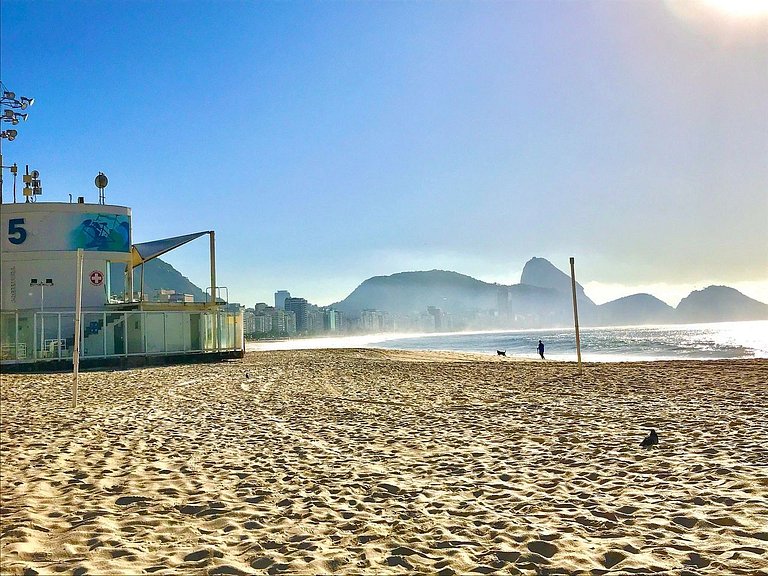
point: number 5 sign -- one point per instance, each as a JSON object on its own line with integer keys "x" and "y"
{"x": 96, "y": 277}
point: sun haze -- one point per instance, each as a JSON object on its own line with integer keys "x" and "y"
{"x": 328, "y": 142}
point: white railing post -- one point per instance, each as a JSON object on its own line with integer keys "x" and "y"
{"x": 78, "y": 310}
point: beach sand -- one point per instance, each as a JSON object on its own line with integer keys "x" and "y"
{"x": 385, "y": 462}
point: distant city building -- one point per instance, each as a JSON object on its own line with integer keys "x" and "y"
{"x": 249, "y": 321}
{"x": 262, "y": 324}
{"x": 502, "y": 301}
{"x": 332, "y": 320}
{"x": 286, "y": 319}
{"x": 280, "y": 297}
{"x": 299, "y": 307}
{"x": 438, "y": 316}
{"x": 372, "y": 321}
{"x": 315, "y": 319}
{"x": 270, "y": 320}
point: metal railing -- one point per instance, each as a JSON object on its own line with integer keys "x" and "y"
{"x": 40, "y": 336}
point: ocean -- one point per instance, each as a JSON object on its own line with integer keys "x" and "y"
{"x": 725, "y": 340}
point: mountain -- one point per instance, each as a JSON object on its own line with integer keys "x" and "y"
{"x": 161, "y": 275}
{"x": 473, "y": 303}
{"x": 636, "y": 309}
{"x": 413, "y": 292}
{"x": 541, "y": 272}
{"x": 719, "y": 304}
{"x": 543, "y": 299}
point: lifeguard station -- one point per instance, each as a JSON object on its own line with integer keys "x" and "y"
{"x": 38, "y": 264}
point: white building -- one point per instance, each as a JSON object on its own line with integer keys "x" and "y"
{"x": 38, "y": 264}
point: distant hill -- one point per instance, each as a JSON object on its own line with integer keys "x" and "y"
{"x": 636, "y": 309}
{"x": 719, "y": 304}
{"x": 413, "y": 292}
{"x": 542, "y": 299}
{"x": 161, "y": 275}
{"x": 409, "y": 293}
{"x": 541, "y": 272}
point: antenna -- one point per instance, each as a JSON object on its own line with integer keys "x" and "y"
{"x": 32, "y": 185}
{"x": 101, "y": 182}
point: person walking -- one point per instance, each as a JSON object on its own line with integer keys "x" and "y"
{"x": 541, "y": 349}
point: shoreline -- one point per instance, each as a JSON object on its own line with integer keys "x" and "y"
{"x": 720, "y": 341}
{"x": 352, "y": 461}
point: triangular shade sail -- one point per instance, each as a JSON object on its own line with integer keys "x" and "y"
{"x": 145, "y": 251}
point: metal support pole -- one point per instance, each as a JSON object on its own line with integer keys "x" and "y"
{"x": 213, "y": 265}
{"x": 576, "y": 315}
{"x": 42, "y": 321}
{"x": 78, "y": 309}
{"x": 215, "y": 310}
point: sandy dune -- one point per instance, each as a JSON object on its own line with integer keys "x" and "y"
{"x": 381, "y": 462}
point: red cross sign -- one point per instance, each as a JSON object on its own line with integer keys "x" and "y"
{"x": 97, "y": 277}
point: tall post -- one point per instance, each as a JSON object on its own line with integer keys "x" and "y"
{"x": 78, "y": 308}
{"x": 42, "y": 320}
{"x": 576, "y": 315}
{"x": 215, "y": 309}
{"x": 213, "y": 266}
{"x": 129, "y": 276}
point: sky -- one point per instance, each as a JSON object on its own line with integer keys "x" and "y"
{"x": 328, "y": 142}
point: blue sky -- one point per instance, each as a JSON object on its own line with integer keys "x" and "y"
{"x": 327, "y": 142}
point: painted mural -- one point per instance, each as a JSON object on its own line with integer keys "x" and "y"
{"x": 102, "y": 232}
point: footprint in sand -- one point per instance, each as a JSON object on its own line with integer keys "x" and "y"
{"x": 546, "y": 549}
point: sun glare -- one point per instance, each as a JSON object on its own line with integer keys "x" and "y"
{"x": 739, "y": 8}
{"x": 730, "y": 21}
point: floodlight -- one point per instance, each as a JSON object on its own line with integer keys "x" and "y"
{"x": 9, "y": 95}
{"x": 22, "y": 116}
{"x": 26, "y": 102}
{"x": 8, "y": 113}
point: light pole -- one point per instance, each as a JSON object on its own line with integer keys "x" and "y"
{"x": 7, "y": 114}
{"x": 42, "y": 284}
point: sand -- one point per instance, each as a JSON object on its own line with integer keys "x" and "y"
{"x": 381, "y": 462}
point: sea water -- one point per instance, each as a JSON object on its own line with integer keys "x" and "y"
{"x": 724, "y": 340}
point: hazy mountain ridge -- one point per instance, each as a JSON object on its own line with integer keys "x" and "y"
{"x": 543, "y": 298}
{"x": 720, "y": 304}
{"x": 413, "y": 292}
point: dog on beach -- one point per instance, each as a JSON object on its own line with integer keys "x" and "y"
{"x": 651, "y": 440}
{"x": 501, "y": 352}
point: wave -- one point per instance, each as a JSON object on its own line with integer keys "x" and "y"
{"x": 717, "y": 341}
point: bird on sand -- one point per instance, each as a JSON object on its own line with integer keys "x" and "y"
{"x": 651, "y": 440}
{"x": 247, "y": 375}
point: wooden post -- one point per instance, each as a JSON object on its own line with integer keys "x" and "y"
{"x": 576, "y": 315}
{"x": 78, "y": 308}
